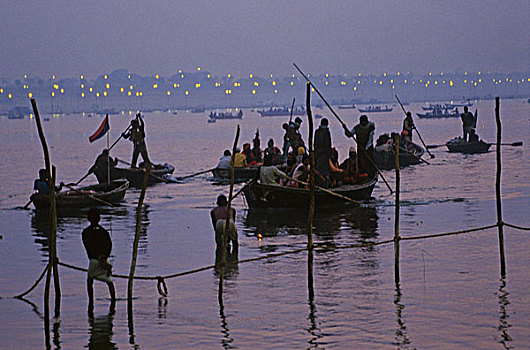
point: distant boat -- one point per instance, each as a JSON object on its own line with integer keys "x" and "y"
{"x": 375, "y": 109}
{"x": 228, "y": 115}
{"x": 105, "y": 111}
{"x": 431, "y": 107}
{"x": 18, "y": 112}
{"x": 281, "y": 111}
{"x": 438, "y": 113}
{"x": 198, "y": 110}
{"x": 352, "y": 106}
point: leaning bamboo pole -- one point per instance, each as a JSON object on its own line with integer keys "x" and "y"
{"x": 396, "y": 214}
{"x": 136, "y": 241}
{"x": 498, "y": 187}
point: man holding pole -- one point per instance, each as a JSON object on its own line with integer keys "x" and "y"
{"x": 364, "y": 132}
{"x": 137, "y": 135}
{"x": 98, "y": 246}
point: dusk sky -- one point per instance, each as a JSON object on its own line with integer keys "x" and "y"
{"x": 69, "y": 38}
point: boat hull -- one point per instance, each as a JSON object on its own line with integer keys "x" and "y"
{"x": 437, "y": 116}
{"x": 240, "y": 174}
{"x": 135, "y": 176}
{"x": 458, "y": 145}
{"x": 387, "y": 160}
{"x": 273, "y": 196}
{"x": 111, "y": 193}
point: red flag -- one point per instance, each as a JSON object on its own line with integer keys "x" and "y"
{"x": 103, "y": 129}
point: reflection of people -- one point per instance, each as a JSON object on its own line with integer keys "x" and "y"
{"x": 101, "y": 332}
{"x": 137, "y": 136}
{"x": 219, "y": 215}
{"x": 98, "y": 246}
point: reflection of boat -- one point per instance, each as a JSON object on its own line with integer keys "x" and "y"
{"x": 18, "y": 112}
{"x": 240, "y": 174}
{"x": 227, "y": 115}
{"x": 352, "y": 106}
{"x": 459, "y": 145}
{"x": 438, "y": 113}
{"x": 111, "y": 193}
{"x": 411, "y": 155}
{"x": 136, "y": 175}
{"x": 281, "y": 111}
{"x": 374, "y": 109}
{"x": 274, "y": 196}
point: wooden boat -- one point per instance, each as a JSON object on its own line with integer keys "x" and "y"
{"x": 281, "y": 111}
{"x": 375, "y": 109}
{"x": 136, "y": 175}
{"x": 352, "y": 106}
{"x": 438, "y": 113}
{"x": 274, "y": 196}
{"x": 85, "y": 196}
{"x": 387, "y": 160}
{"x": 228, "y": 115}
{"x": 460, "y": 146}
{"x": 240, "y": 174}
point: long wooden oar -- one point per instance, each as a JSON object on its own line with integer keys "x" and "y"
{"x": 335, "y": 194}
{"x": 343, "y": 125}
{"x": 89, "y": 196}
{"x": 417, "y": 131}
{"x": 292, "y": 107}
{"x": 192, "y": 175}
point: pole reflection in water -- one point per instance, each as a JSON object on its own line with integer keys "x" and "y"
{"x": 401, "y": 337}
{"x": 504, "y": 325}
{"x": 225, "y": 273}
{"x": 162, "y": 307}
{"x": 313, "y": 330}
{"x": 101, "y": 332}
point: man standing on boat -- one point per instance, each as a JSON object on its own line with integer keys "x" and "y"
{"x": 219, "y": 215}
{"x": 364, "y": 132}
{"x": 468, "y": 123}
{"x": 322, "y": 146}
{"x": 408, "y": 126}
{"x": 98, "y": 246}
{"x": 137, "y": 135}
{"x": 101, "y": 165}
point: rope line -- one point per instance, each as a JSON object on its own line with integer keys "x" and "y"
{"x": 320, "y": 246}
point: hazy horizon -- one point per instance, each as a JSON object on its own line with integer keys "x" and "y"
{"x": 261, "y": 38}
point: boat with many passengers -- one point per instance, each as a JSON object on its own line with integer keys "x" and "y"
{"x": 227, "y": 115}
{"x": 439, "y": 113}
{"x": 275, "y": 196}
{"x": 85, "y": 196}
{"x": 375, "y": 109}
{"x": 410, "y": 154}
{"x": 281, "y": 111}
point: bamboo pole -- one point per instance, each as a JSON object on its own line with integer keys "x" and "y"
{"x": 311, "y": 170}
{"x": 52, "y": 265}
{"x": 229, "y": 205}
{"x": 396, "y": 215}
{"x": 498, "y": 187}
{"x": 136, "y": 241}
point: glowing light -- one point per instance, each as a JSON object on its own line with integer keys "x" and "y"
{"x": 391, "y": 81}
{"x": 465, "y": 81}
{"x": 137, "y": 93}
{"x": 217, "y": 84}
{"x": 380, "y": 82}
{"x": 1, "y": 91}
{"x": 256, "y": 83}
{"x": 97, "y": 94}
{"x": 62, "y": 91}
{"x": 107, "y": 86}
{"x": 480, "y": 80}
{"x": 131, "y": 87}
{"x": 436, "y": 82}
{"x": 121, "y": 89}
{"x": 83, "y": 94}
{"x": 53, "y": 77}
{"x": 9, "y": 96}
{"x": 30, "y": 95}
{"x": 128, "y": 93}
{"x": 260, "y": 235}
{"x": 430, "y": 73}
{"x": 250, "y": 76}
{"x": 465, "y": 73}
{"x": 82, "y": 86}
{"x": 56, "y": 87}
{"x": 156, "y": 76}
{"x": 155, "y": 86}
{"x": 208, "y": 76}
{"x": 25, "y": 76}
{"x": 228, "y": 91}
{"x": 182, "y": 76}
{"x": 105, "y": 77}
{"x": 53, "y": 93}
{"x": 405, "y": 81}
{"x": 186, "y": 92}
{"x": 104, "y": 93}
{"x": 273, "y": 83}
{"x": 326, "y": 83}
{"x": 393, "y": 87}
{"x": 91, "y": 89}
{"x": 292, "y": 83}
{"x": 176, "y": 85}
{"x": 197, "y": 85}
{"x": 327, "y": 75}
{"x": 82, "y": 77}
{"x": 343, "y": 83}
{"x": 168, "y": 93}
{"x": 229, "y": 76}
{"x": 275, "y": 91}
{"x": 253, "y": 92}
{"x": 355, "y": 88}
{"x": 129, "y": 76}
{"x": 198, "y": 69}
{"x": 398, "y": 73}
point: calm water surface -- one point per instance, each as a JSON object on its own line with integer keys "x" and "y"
{"x": 450, "y": 295}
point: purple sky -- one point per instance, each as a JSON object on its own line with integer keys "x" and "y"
{"x": 68, "y": 38}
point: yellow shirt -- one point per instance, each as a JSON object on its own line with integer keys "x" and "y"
{"x": 240, "y": 160}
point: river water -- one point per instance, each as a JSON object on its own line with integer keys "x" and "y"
{"x": 450, "y": 295}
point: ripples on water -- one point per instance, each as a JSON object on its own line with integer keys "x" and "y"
{"x": 449, "y": 295}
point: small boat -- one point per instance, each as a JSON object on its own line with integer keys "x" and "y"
{"x": 274, "y": 196}
{"x": 431, "y": 107}
{"x": 198, "y": 110}
{"x": 240, "y": 174}
{"x": 136, "y": 175}
{"x": 438, "y": 113}
{"x": 375, "y": 109}
{"x": 386, "y": 160}
{"x": 228, "y": 115}
{"x": 83, "y": 197}
{"x": 352, "y": 106}
{"x": 281, "y": 111}
{"x": 458, "y": 145}
{"x": 18, "y": 112}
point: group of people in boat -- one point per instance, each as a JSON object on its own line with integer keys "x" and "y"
{"x": 469, "y": 123}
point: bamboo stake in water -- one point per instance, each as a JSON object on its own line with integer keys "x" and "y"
{"x": 396, "y": 214}
{"x": 498, "y": 187}
{"x": 136, "y": 241}
{"x": 311, "y": 169}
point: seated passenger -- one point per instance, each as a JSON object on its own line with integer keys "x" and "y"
{"x": 240, "y": 160}
{"x": 41, "y": 184}
{"x": 269, "y": 174}
{"x": 350, "y": 167}
{"x": 224, "y": 161}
